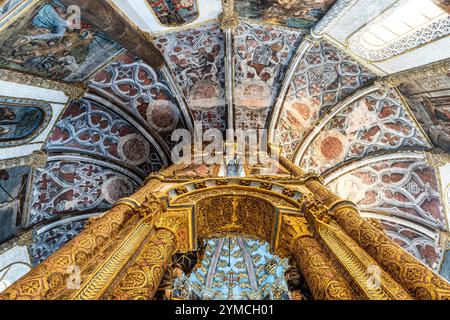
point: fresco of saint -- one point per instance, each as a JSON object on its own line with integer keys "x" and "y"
{"x": 19, "y": 123}
{"x": 42, "y": 43}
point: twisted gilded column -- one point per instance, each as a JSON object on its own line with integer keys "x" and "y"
{"x": 420, "y": 281}
{"x": 48, "y": 280}
{"x": 416, "y": 278}
{"x": 323, "y": 279}
{"x": 144, "y": 277}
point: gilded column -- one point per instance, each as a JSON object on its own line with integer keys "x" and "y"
{"x": 420, "y": 281}
{"x": 144, "y": 276}
{"x": 323, "y": 279}
{"x": 48, "y": 279}
{"x": 416, "y": 278}
{"x": 364, "y": 274}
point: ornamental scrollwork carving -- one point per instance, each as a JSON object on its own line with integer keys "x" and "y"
{"x": 292, "y": 228}
{"x": 151, "y": 206}
{"x": 314, "y": 209}
{"x": 181, "y": 190}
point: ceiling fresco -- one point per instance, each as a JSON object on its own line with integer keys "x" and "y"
{"x": 263, "y": 54}
{"x": 143, "y": 91}
{"x": 174, "y": 12}
{"x": 290, "y": 13}
{"x": 324, "y": 77}
{"x": 196, "y": 58}
{"x": 430, "y": 100}
{"x": 86, "y": 127}
{"x": 377, "y": 122}
{"x": 329, "y": 112}
{"x": 41, "y": 42}
{"x": 406, "y": 191}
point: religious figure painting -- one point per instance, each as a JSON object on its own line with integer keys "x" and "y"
{"x": 13, "y": 196}
{"x": 292, "y": 13}
{"x": 42, "y": 42}
{"x": 19, "y": 123}
{"x": 174, "y": 12}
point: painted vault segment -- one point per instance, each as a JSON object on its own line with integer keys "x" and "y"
{"x": 142, "y": 90}
{"x": 376, "y": 122}
{"x": 406, "y": 188}
{"x": 420, "y": 245}
{"x": 49, "y": 241}
{"x": 262, "y": 55}
{"x": 324, "y": 76}
{"x": 39, "y": 41}
{"x": 196, "y": 58}
{"x": 88, "y": 127}
{"x": 74, "y": 187}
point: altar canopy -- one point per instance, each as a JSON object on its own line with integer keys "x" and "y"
{"x": 224, "y": 149}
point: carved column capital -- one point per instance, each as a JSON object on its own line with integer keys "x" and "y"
{"x": 292, "y": 228}
{"x": 151, "y": 206}
{"x": 314, "y": 210}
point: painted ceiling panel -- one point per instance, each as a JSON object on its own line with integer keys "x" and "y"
{"x": 38, "y": 41}
{"x": 196, "y": 58}
{"x": 87, "y": 127}
{"x": 404, "y": 188}
{"x": 166, "y": 16}
{"x": 376, "y": 122}
{"x": 291, "y": 13}
{"x": 324, "y": 76}
{"x": 144, "y": 91}
{"x": 73, "y": 187}
{"x": 262, "y": 55}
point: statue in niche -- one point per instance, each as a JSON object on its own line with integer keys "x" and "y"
{"x": 19, "y": 123}
{"x": 297, "y": 285}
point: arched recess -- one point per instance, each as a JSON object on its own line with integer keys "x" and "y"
{"x": 231, "y": 206}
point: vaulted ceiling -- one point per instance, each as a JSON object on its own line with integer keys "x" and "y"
{"x": 331, "y": 81}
